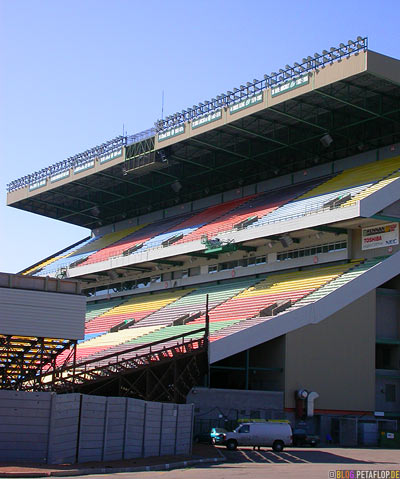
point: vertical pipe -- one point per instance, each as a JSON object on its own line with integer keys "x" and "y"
{"x": 207, "y": 343}
{"x": 73, "y": 373}
{"x": 247, "y": 369}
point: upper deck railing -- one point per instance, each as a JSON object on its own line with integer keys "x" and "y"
{"x": 275, "y": 81}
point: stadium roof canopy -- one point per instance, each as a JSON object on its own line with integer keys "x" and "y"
{"x": 330, "y": 106}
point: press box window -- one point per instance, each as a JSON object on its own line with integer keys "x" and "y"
{"x": 213, "y": 268}
{"x": 261, "y": 260}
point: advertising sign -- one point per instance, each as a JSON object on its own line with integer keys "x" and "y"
{"x": 290, "y": 85}
{"x": 246, "y": 103}
{"x": 203, "y": 120}
{"x": 380, "y": 236}
{"x": 110, "y": 156}
{"x": 38, "y": 184}
{"x": 166, "y": 135}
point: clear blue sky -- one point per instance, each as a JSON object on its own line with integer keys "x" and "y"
{"x": 72, "y": 73}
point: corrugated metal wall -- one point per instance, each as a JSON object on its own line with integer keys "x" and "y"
{"x": 46, "y": 427}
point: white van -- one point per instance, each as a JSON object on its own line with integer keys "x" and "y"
{"x": 275, "y": 434}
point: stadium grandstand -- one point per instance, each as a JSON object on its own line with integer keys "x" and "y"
{"x": 250, "y": 242}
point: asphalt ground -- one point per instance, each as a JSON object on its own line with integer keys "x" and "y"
{"x": 292, "y": 463}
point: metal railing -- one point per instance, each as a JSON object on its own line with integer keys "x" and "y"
{"x": 274, "y": 80}
{"x": 77, "y": 372}
{"x": 152, "y": 246}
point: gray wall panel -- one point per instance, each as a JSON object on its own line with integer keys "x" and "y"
{"x": 43, "y": 314}
{"x": 110, "y": 428}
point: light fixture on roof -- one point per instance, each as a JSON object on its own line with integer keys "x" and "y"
{"x": 326, "y": 140}
{"x": 95, "y": 211}
{"x": 176, "y": 186}
{"x": 286, "y": 240}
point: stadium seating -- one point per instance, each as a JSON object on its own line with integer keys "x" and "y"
{"x": 356, "y": 269}
{"x": 96, "y": 309}
{"x": 164, "y": 315}
{"x": 193, "y": 223}
{"x": 158, "y": 335}
{"x": 105, "y": 341}
{"x": 35, "y": 270}
{"x": 140, "y": 237}
{"x": 372, "y": 189}
{"x": 256, "y": 205}
{"x": 275, "y": 289}
{"x": 133, "y": 309}
{"x": 154, "y": 235}
{"x": 82, "y": 251}
{"x": 349, "y": 182}
{"x": 195, "y": 301}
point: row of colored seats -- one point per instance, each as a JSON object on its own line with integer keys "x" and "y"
{"x": 255, "y": 206}
{"x": 138, "y": 237}
{"x": 358, "y": 182}
{"x": 195, "y": 301}
{"x": 80, "y": 252}
{"x": 132, "y": 310}
{"x": 372, "y": 189}
{"x": 276, "y": 288}
{"x": 96, "y": 309}
{"x": 43, "y": 266}
{"x": 164, "y": 315}
{"x": 351, "y": 182}
{"x": 356, "y": 269}
{"x": 159, "y": 335}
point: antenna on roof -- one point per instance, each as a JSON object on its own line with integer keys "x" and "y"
{"x": 162, "y": 105}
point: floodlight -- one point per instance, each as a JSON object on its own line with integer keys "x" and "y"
{"x": 213, "y": 100}
{"x": 288, "y": 67}
{"x": 273, "y": 74}
{"x": 229, "y": 93}
{"x": 359, "y": 39}
{"x": 342, "y": 45}
{"x": 255, "y": 80}
{"x": 309, "y": 58}
{"x": 176, "y": 186}
{"x": 324, "y": 52}
{"x": 248, "y": 84}
{"x": 266, "y": 77}
{"x": 235, "y": 90}
{"x": 326, "y": 140}
{"x": 242, "y": 87}
{"x": 281, "y": 71}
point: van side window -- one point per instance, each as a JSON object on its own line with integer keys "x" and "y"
{"x": 245, "y": 428}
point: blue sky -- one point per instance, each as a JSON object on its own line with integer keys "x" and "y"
{"x": 72, "y": 73}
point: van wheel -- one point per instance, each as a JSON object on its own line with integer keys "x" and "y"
{"x": 231, "y": 445}
{"x": 277, "y": 446}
